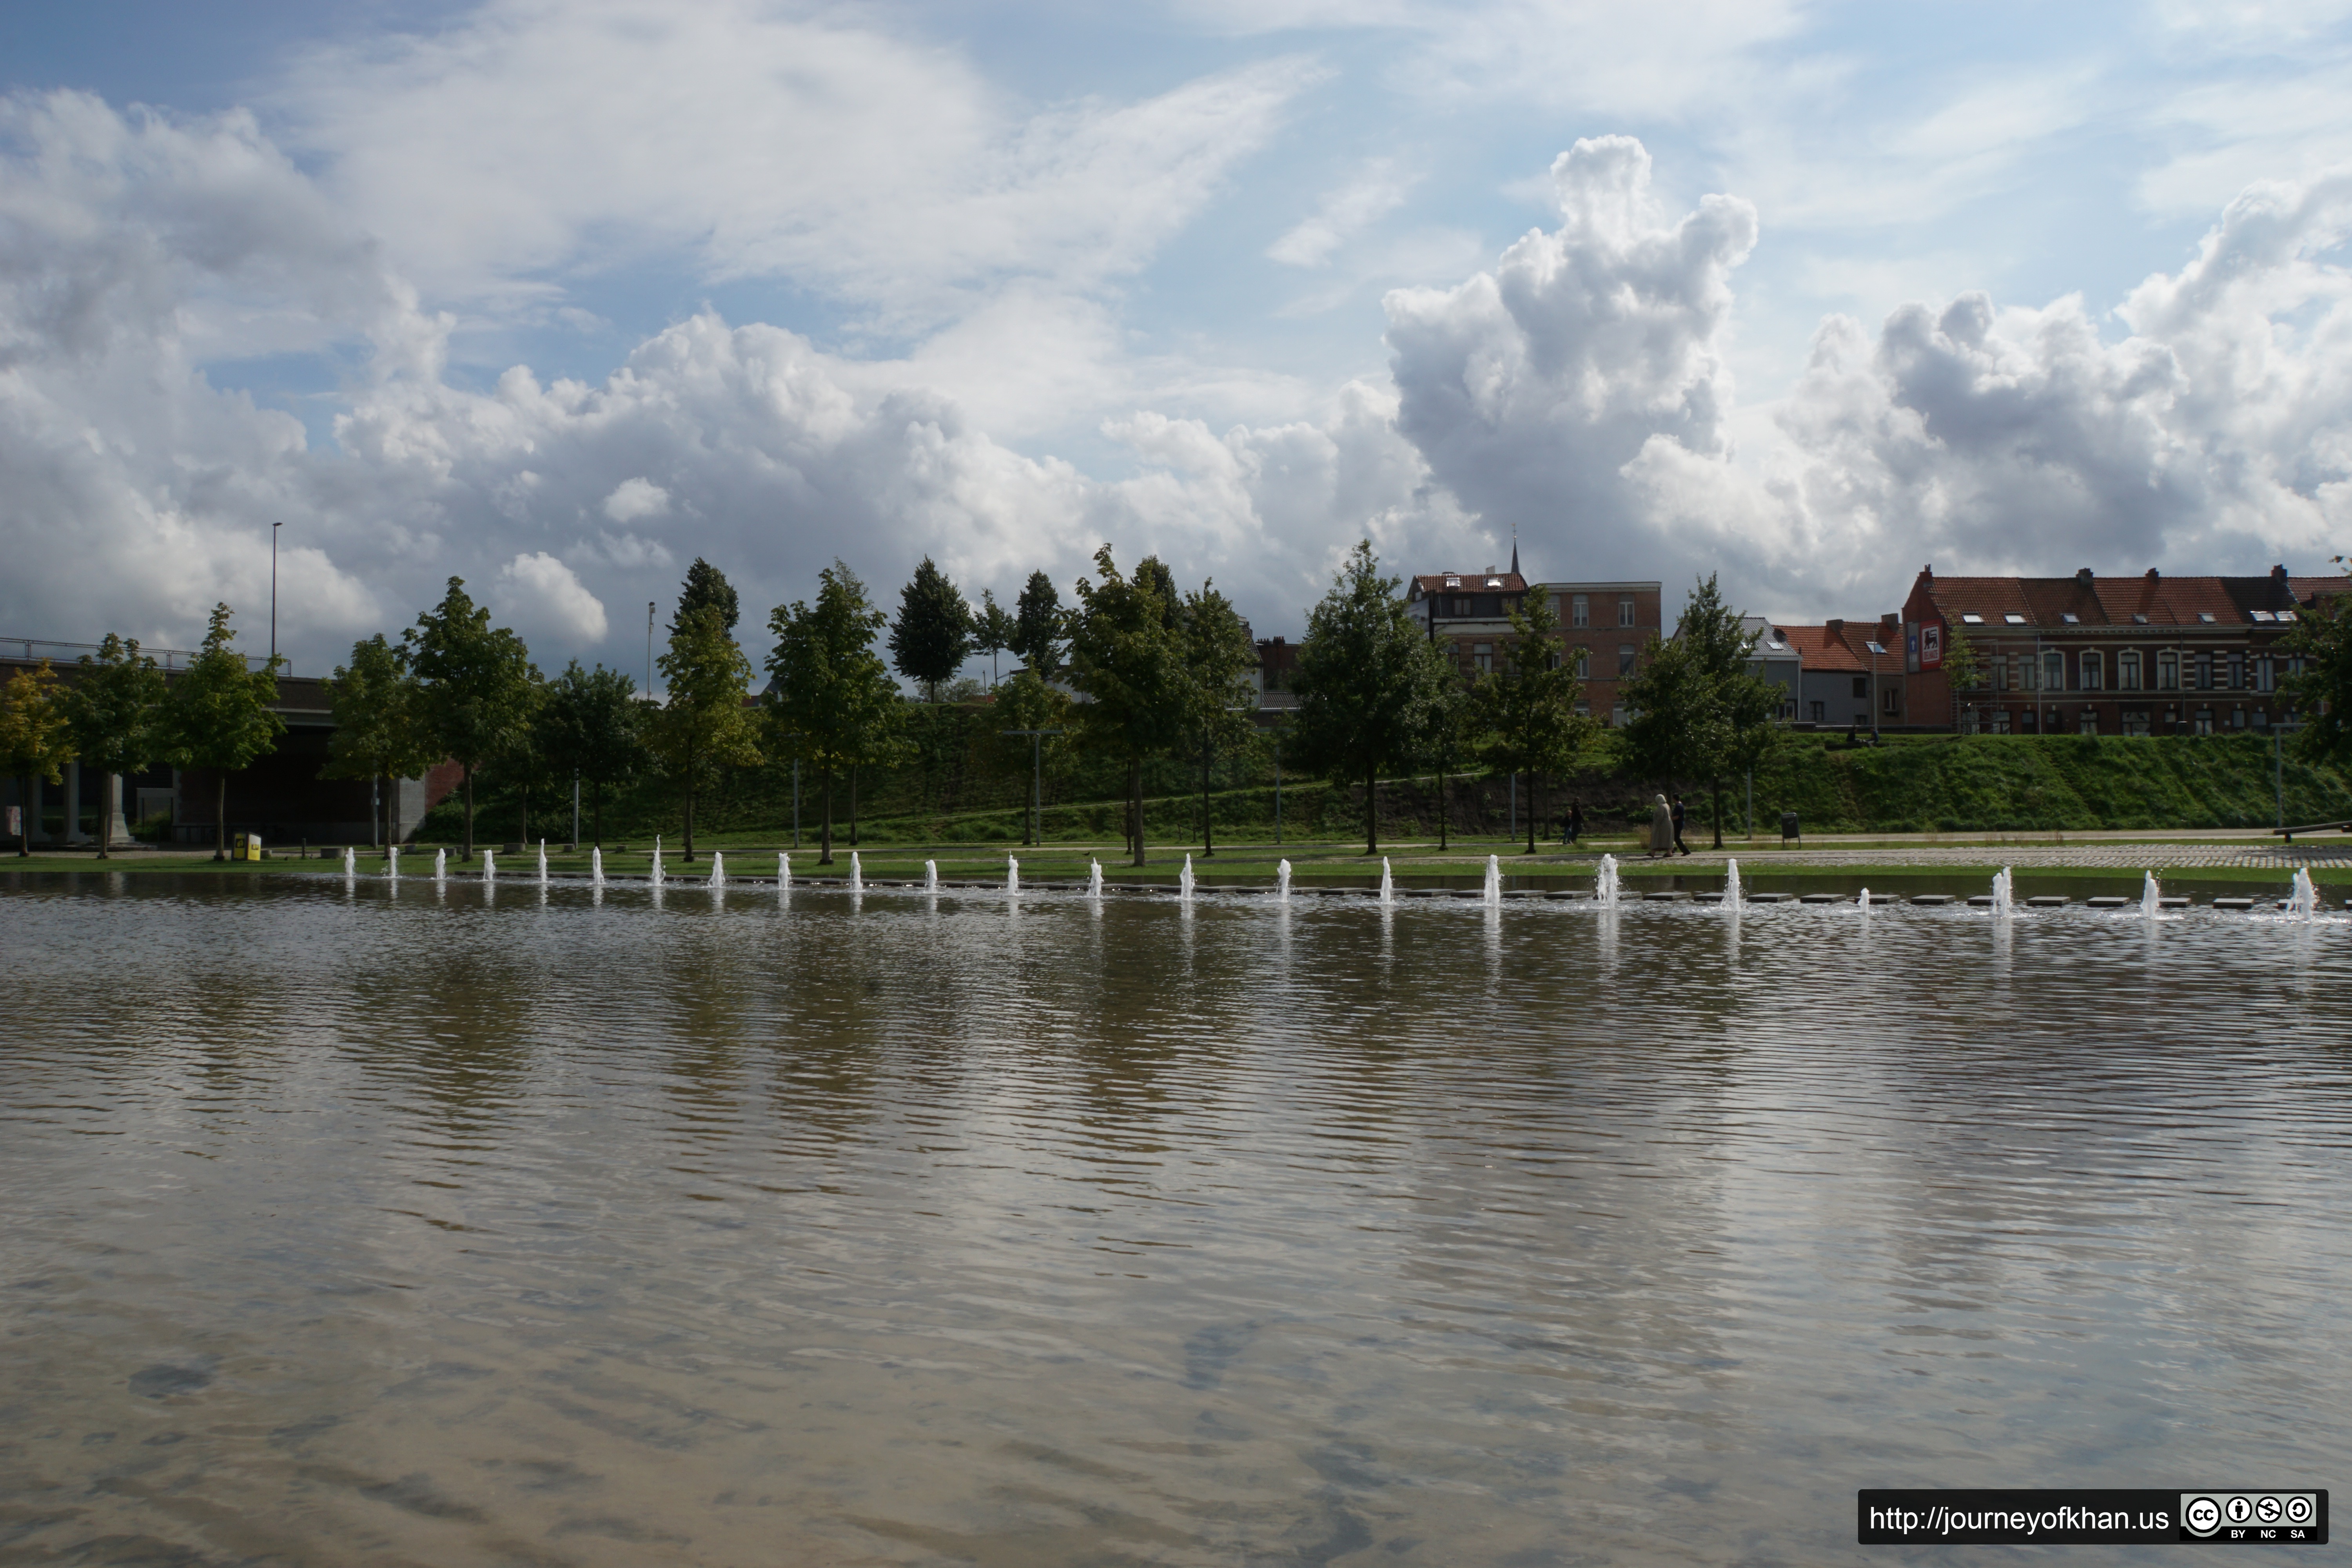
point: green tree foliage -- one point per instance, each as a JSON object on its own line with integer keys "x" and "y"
{"x": 220, "y": 717}
{"x": 705, "y": 588}
{"x": 474, "y": 687}
{"x": 932, "y": 635}
{"x": 116, "y": 709}
{"x": 36, "y": 738}
{"x": 706, "y": 723}
{"x": 1963, "y": 665}
{"x": 1698, "y": 711}
{"x": 1526, "y": 712}
{"x": 591, "y": 724}
{"x": 832, "y": 704}
{"x": 1218, "y": 655}
{"x": 993, "y": 631}
{"x": 1040, "y": 627}
{"x": 1372, "y": 689}
{"x": 2322, "y": 689}
{"x": 520, "y": 764}
{"x": 378, "y": 734}
{"x": 1127, "y": 656}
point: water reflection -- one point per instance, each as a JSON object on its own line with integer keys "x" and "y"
{"x": 589, "y": 1227}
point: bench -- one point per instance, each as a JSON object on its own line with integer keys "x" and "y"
{"x": 2288, "y": 833}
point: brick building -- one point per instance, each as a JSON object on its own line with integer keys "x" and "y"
{"x": 1604, "y": 625}
{"x": 2111, "y": 656}
{"x": 1841, "y": 683}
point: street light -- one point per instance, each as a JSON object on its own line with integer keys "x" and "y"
{"x": 273, "y": 590}
{"x": 649, "y": 648}
{"x": 1037, "y": 778}
{"x": 1875, "y": 649}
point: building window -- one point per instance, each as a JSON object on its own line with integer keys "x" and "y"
{"x": 1625, "y": 609}
{"x": 1584, "y": 664}
{"x": 2088, "y": 723}
{"x": 2028, "y": 670}
{"x": 1997, "y": 721}
{"x": 2204, "y": 721}
{"x": 2204, "y": 675}
{"x": 2028, "y": 721}
{"x": 1821, "y": 712}
{"x": 1580, "y": 611}
{"x": 2127, "y": 671}
{"x": 2266, "y": 674}
{"x": 2237, "y": 718}
{"x": 1482, "y": 657}
{"x": 2167, "y": 672}
{"x": 1862, "y": 686}
{"x": 2054, "y": 671}
{"x": 2137, "y": 724}
{"x": 2092, "y": 673}
{"x": 1624, "y": 658}
{"x": 2237, "y": 672}
{"x": 1997, "y": 667}
{"x": 1890, "y": 702}
{"x": 2262, "y": 717}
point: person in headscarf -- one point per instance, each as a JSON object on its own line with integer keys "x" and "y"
{"x": 1662, "y": 826}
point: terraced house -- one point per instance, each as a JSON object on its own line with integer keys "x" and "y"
{"x": 1605, "y": 625}
{"x": 2106, "y": 656}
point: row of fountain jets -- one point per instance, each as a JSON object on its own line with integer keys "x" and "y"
{"x": 2303, "y": 900}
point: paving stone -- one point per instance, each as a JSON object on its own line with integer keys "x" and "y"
{"x": 1931, "y": 898}
{"x": 2233, "y": 903}
{"x": 1824, "y": 899}
{"x": 2107, "y": 903}
{"x": 2046, "y": 901}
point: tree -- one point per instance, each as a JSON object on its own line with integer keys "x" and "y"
{"x": 35, "y": 739}
{"x": 1527, "y": 712}
{"x": 220, "y": 717}
{"x": 2322, "y": 688}
{"x": 705, "y": 588}
{"x": 1963, "y": 667}
{"x": 520, "y": 763}
{"x": 1698, "y": 712}
{"x": 474, "y": 686}
{"x": 933, "y": 633}
{"x": 1372, "y": 689}
{"x": 1127, "y": 657}
{"x": 993, "y": 631}
{"x": 116, "y": 709}
{"x": 1039, "y": 626}
{"x": 591, "y": 725}
{"x": 830, "y": 699}
{"x": 705, "y": 723}
{"x": 1026, "y": 702}
{"x": 377, "y": 734}
{"x": 1217, "y": 655}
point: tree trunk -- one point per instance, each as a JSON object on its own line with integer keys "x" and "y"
{"x": 524, "y": 836}
{"x": 1208, "y": 828}
{"x": 1371, "y": 813}
{"x": 1717, "y": 787}
{"x": 852, "y": 805}
{"x": 689, "y": 819}
{"x": 596, "y": 790}
{"x": 220, "y": 813}
{"x": 1532, "y": 813}
{"x": 469, "y": 815}
{"x": 24, "y": 811}
{"x": 105, "y": 820}
{"x": 825, "y": 829}
{"x": 1135, "y": 802}
{"x": 1444, "y": 807}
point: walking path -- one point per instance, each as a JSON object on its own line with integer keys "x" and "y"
{"x": 2126, "y": 856}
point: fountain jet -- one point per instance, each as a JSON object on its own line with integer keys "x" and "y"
{"x": 783, "y": 870}
{"x": 1495, "y": 881}
{"x": 490, "y": 867}
{"x": 440, "y": 865}
{"x": 597, "y": 868}
{"x": 718, "y": 869}
{"x": 2151, "y": 896}
{"x": 1605, "y": 888}
{"x": 542, "y": 862}
{"x": 350, "y": 862}
{"x": 1731, "y": 884}
{"x": 1012, "y": 877}
{"x": 1282, "y": 880}
{"x": 2001, "y": 900}
{"x": 931, "y": 876}
{"x": 1387, "y": 884}
{"x": 1184, "y": 880}
{"x": 391, "y": 862}
{"x": 2303, "y": 900}
{"x": 856, "y": 874}
{"x": 658, "y": 874}
{"x": 1094, "y": 881}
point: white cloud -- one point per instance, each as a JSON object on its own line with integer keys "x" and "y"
{"x": 537, "y": 591}
{"x": 635, "y": 497}
{"x": 1378, "y": 189}
{"x": 539, "y": 136}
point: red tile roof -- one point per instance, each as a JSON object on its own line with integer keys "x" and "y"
{"x": 1823, "y": 650}
{"x": 1470, "y": 583}
{"x": 2117, "y": 601}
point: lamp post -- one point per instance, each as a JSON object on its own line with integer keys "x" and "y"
{"x": 1875, "y": 649}
{"x": 649, "y": 649}
{"x": 273, "y": 592}
{"x": 1037, "y": 778}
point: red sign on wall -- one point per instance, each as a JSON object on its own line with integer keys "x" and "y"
{"x": 1931, "y": 645}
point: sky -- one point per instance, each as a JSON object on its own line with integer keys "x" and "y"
{"x": 555, "y": 297}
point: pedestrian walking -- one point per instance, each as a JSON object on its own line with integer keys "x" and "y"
{"x": 1662, "y": 827}
{"x": 1573, "y": 829}
{"x": 1678, "y": 818}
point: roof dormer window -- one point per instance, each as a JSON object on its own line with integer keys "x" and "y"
{"x": 2286, "y": 614}
{"x": 1494, "y": 582}
{"x": 2206, "y": 617}
{"x": 1971, "y": 618}
{"x": 2260, "y": 615}
{"x": 1454, "y": 582}
{"x": 2139, "y": 620}
{"x": 2071, "y": 620}
{"x": 2014, "y": 618}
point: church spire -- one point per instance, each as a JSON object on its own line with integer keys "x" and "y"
{"x": 1515, "y": 549}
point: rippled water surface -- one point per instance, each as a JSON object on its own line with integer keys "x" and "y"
{"x": 425, "y": 1226}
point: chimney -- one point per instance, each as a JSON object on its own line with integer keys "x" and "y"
{"x": 1928, "y": 571}
{"x": 2278, "y": 574}
{"x": 1891, "y": 618}
{"x": 2084, "y": 578}
{"x": 1835, "y": 628}
{"x": 2151, "y": 574}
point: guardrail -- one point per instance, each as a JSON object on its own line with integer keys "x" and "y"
{"x": 33, "y": 650}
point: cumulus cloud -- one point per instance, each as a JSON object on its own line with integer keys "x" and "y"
{"x": 635, "y": 497}
{"x": 538, "y": 591}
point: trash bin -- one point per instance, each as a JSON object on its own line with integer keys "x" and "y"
{"x": 1788, "y": 828}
